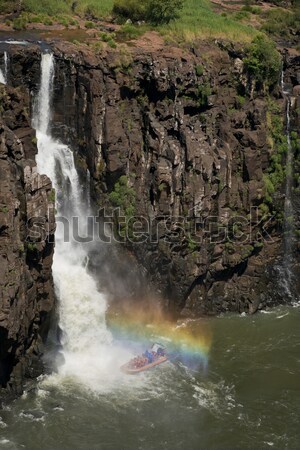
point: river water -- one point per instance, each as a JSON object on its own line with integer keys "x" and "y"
{"x": 247, "y": 397}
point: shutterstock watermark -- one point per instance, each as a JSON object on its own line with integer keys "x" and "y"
{"x": 116, "y": 227}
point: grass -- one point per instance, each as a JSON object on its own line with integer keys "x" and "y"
{"x": 96, "y": 8}
{"x": 197, "y": 19}
{"x": 280, "y": 22}
{"x": 50, "y": 7}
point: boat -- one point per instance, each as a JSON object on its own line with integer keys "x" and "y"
{"x": 135, "y": 366}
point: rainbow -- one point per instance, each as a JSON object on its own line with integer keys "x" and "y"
{"x": 187, "y": 341}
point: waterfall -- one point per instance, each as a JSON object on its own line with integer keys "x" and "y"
{"x": 288, "y": 204}
{"x": 6, "y": 66}
{"x": 88, "y": 189}
{"x": 288, "y": 207}
{"x": 4, "y": 74}
{"x": 86, "y": 340}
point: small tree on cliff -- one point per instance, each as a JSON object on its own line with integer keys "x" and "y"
{"x": 152, "y": 11}
{"x": 263, "y": 62}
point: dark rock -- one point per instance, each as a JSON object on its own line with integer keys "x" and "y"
{"x": 26, "y": 295}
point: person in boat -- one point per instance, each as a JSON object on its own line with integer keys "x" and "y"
{"x": 160, "y": 352}
{"x": 149, "y": 356}
{"x": 138, "y": 362}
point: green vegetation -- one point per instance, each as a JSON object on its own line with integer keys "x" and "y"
{"x": 128, "y": 32}
{"x": 185, "y": 20}
{"x": 123, "y": 196}
{"x": 92, "y": 8}
{"x": 195, "y": 20}
{"x": 199, "y": 70}
{"x": 31, "y": 247}
{"x": 151, "y": 11}
{"x": 278, "y": 143}
{"x": 52, "y": 196}
{"x": 280, "y": 22}
{"x": 198, "y": 20}
{"x": 242, "y": 15}
{"x": 89, "y": 24}
{"x": 123, "y": 63}
{"x": 253, "y": 9}
{"x": 162, "y": 187}
{"x": 192, "y": 245}
{"x": 109, "y": 38}
{"x": 7, "y": 6}
{"x": 50, "y": 7}
{"x": 246, "y": 251}
{"x": 19, "y": 24}
{"x": 203, "y": 92}
{"x": 263, "y": 62}
{"x": 21, "y": 249}
{"x": 258, "y": 245}
{"x": 240, "y": 101}
{"x": 295, "y": 141}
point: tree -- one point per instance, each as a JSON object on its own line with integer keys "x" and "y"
{"x": 153, "y": 11}
{"x": 163, "y": 11}
{"x": 263, "y": 61}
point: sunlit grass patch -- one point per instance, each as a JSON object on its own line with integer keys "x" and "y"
{"x": 198, "y": 20}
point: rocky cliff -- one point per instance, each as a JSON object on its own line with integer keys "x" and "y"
{"x": 178, "y": 138}
{"x": 27, "y": 227}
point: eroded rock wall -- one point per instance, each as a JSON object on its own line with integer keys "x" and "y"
{"x": 193, "y": 141}
{"x": 27, "y": 227}
{"x": 193, "y": 144}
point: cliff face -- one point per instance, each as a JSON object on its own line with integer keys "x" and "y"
{"x": 176, "y": 137}
{"x": 26, "y": 246}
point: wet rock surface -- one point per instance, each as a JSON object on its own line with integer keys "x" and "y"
{"x": 27, "y": 226}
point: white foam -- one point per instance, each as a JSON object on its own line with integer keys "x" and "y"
{"x": 2, "y": 423}
{"x": 282, "y": 316}
{"x": 13, "y": 42}
{"x": 3, "y": 75}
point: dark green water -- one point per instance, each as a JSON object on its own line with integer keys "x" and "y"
{"x": 248, "y": 398}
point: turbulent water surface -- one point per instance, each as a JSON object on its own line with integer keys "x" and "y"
{"x": 248, "y": 397}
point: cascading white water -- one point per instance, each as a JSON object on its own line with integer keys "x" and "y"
{"x": 3, "y": 75}
{"x": 5, "y": 65}
{"x": 2, "y": 78}
{"x": 88, "y": 189}
{"x": 288, "y": 205}
{"x": 86, "y": 340}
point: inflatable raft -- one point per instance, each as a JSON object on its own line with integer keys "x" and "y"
{"x": 128, "y": 368}
{"x": 156, "y": 356}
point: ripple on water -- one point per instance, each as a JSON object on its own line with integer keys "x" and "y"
{"x": 2, "y": 423}
{"x": 33, "y": 416}
{"x": 7, "y": 444}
